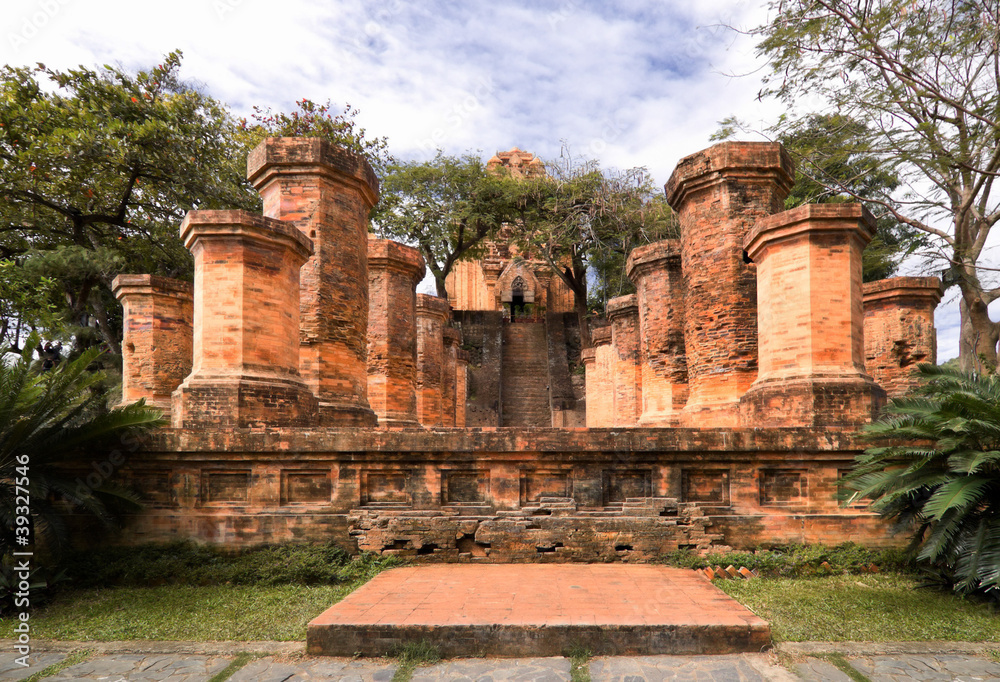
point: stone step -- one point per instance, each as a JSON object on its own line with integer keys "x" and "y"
{"x": 538, "y": 610}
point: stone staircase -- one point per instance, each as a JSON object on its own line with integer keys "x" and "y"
{"x": 524, "y": 388}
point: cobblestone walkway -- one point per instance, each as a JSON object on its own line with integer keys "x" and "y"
{"x": 190, "y": 662}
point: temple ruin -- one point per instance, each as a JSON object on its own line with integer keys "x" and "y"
{"x": 314, "y": 395}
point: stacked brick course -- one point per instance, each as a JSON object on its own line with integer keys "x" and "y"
{"x": 719, "y": 194}
{"x": 394, "y": 270}
{"x": 432, "y": 316}
{"x": 811, "y": 324}
{"x": 246, "y": 319}
{"x": 326, "y": 192}
{"x": 158, "y": 339}
{"x": 899, "y": 330}
{"x": 655, "y": 270}
{"x": 598, "y": 365}
{"x": 623, "y": 313}
{"x": 449, "y": 376}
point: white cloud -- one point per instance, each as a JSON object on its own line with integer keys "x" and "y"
{"x": 641, "y": 83}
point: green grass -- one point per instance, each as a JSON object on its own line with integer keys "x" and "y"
{"x": 579, "y": 663}
{"x": 874, "y": 608}
{"x": 71, "y": 660}
{"x": 412, "y": 655}
{"x": 177, "y": 612}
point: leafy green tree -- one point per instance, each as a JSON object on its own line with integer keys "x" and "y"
{"x": 924, "y": 77}
{"x": 310, "y": 119}
{"x": 97, "y": 169}
{"x": 941, "y": 472}
{"x": 447, "y": 207}
{"x": 53, "y": 424}
{"x": 580, "y": 218}
{"x": 830, "y": 153}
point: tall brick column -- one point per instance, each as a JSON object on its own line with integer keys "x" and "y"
{"x": 623, "y": 313}
{"x": 719, "y": 194}
{"x": 461, "y": 387}
{"x": 812, "y": 349}
{"x": 449, "y": 376}
{"x": 432, "y": 314}
{"x": 394, "y": 270}
{"x": 326, "y": 192}
{"x": 899, "y": 330}
{"x": 246, "y": 321}
{"x": 158, "y": 336}
{"x": 597, "y": 364}
{"x": 655, "y": 269}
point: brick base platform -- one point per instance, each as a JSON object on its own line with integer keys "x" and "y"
{"x": 538, "y": 610}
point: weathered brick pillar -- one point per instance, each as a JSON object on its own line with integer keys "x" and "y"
{"x": 812, "y": 348}
{"x": 432, "y": 315}
{"x": 719, "y": 194}
{"x": 899, "y": 330}
{"x": 599, "y": 382}
{"x": 655, "y": 269}
{"x": 623, "y": 313}
{"x": 394, "y": 270}
{"x": 461, "y": 387}
{"x": 158, "y": 336}
{"x": 449, "y": 376}
{"x": 246, "y": 321}
{"x": 326, "y": 192}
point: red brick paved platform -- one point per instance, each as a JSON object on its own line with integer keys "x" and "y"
{"x": 538, "y": 610}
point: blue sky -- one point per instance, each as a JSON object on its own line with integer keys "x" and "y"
{"x": 637, "y": 83}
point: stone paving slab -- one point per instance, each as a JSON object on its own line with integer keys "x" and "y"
{"x": 819, "y": 670}
{"x": 345, "y": 670}
{"x": 143, "y": 668}
{"x": 921, "y": 668}
{"x": 538, "y": 610}
{"x": 555, "y": 669}
{"x": 726, "y": 668}
{"x": 9, "y": 670}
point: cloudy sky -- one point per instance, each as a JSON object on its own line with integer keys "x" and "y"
{"x": 636, "y": 83}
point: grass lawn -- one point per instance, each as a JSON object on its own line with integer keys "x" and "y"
{"x": 175, "y": 612}
{"x": 872, "y": 608}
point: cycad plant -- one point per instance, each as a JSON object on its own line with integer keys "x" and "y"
{"x": 937, "y": 465}
{"x": 50, "y": 422}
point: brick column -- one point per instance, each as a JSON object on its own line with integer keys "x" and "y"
{"x": 432, "y": 314}
{"x": 719, "y": 194}
{"x": 655, "y": 269}
{"x": 394, "y": 271}
{"x": 899, "y": 330}
{"x": 599, "y": 383}
{"x": 461, "y": 386}
{"x": 246, "y": 321}
{"x": 449, "y": 378}
{"x": 812, "y": 362}
{"x": 623, "y": 312}
{"x": 326, "y": 192}
{"x": 158, "y": 336}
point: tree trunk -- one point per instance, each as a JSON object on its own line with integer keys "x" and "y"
{"x": 977, "y": 345}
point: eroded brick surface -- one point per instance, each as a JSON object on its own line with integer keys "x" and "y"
{"x": 158, "y": 336}
{"x": 719, "y": 194}
{"x": 246, "y": 357}
{"x": 432, "y": 316}
{"x": 394, "y": 270}
{"x": 655, "y": 270}
{"x": 326, "y": 192}
{"x": 623, "y": 312}
{"x": 811, "y": 324}
{"x": 899, "y": 330}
